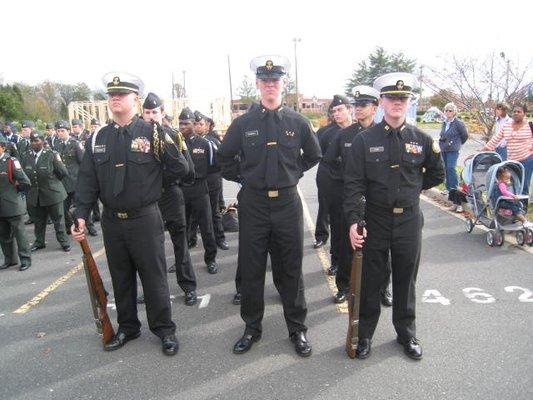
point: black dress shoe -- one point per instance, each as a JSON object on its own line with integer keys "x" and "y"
{"x": 212, "y": 268}
{"x": 245, "y": 343}
{"x": 237, "y": 299}
{"x": 92, "y": 231}
{"x": 319, "y": 243}
{"x": 24, "y": 267}
{"x": 172, "y": 269}
{"x": 411, "y": 347}
{"x": 332, "y": 271}
{"x": 66, "y": 248}
{"x": 140, "y": 299}
{"x": 36, "y": 247}
{"x": 301, "y": 344}
{"x": 386, "y": 298}
{"x": 340, "y": 297}
{"x": 119, "y": 340}
{"x": 7, "y": 265}
{"x": 363, "y": 348}
{"x": 192, "y": 243}
{"x": 170, "y": 345}
{"x": 190, "y": 298}
{"x": 223, "y": 245}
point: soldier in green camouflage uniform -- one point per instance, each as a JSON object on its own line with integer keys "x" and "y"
{"x": 12, "y": 210}
{"x": 45, "y": 197}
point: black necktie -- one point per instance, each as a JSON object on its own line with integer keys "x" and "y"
{"x": 394, "y": 174}
{"x": 119, "y": 161}
{"x": 272, "y": 151}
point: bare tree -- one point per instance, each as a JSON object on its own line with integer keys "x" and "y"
{"x": 477, "y": 85}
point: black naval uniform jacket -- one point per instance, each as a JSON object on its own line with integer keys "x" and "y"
{"x": 71, "y": 153}
{"x": 339, "y": 148}
{"x": 203, "y": 157}
{"x": 243, "y": 153}
{"x": 143, "y": 179}
{"x": 368, "y": 166}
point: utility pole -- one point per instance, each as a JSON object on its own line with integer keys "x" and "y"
{"x": 296, "y": 41}
{"x": 420, "y": 79}
{"x": 184, "y": 90}
{"x": 173, "y": 86}
{"x": 230, "y": 87}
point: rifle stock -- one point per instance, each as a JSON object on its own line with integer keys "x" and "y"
{"x": 354, "y": 297}
{"x": 97, "y": 292}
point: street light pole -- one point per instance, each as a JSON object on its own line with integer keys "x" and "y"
{"x": 184, "y": 91}
{"x": 296, "y": 41}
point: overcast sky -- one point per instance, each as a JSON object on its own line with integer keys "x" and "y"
{"x": 79, "y": 41}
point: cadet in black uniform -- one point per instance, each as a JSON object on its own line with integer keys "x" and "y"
{"x": 46, "y": 195}
{"x": 389, "y": 164}
{"x": 267, "y": 150}
{"x": 172, "y": 204}
{"x": 327, "y": 177}
{"x": 196, "y": 193}
{"x": 71, "y": 152}
{"x": 122, "y": 167}
{"x": 322, "y": 217}
{"x": 366, "y": 101}
{"x": 12, "y": 208}
{"x": 95, "y": 127}
{"x": 214, "y": 185}
{"x": 50, "y": 134}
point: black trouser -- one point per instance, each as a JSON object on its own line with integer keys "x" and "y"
{"x": 40, "y": 215}
{"x": 137, "y": 246}
{"x": 13, "y": 228}
{"x": 96, "y": 212}
{"x": 172, "y": 205}
{"x": 400, "y": 234}
{"x": 214, "y": 185}
{"x": 332, "y": 190}
{"x": 197, "y": 202}
{"x": 274, "y": 224}
{"x": 322, "y": 218}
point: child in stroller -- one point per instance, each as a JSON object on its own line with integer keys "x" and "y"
{"x": 514, "y": 208}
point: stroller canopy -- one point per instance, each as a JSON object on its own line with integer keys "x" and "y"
{"x": 476, "y": 167}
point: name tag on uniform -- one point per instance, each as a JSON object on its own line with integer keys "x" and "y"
{"x": 251, "y": 134}
{"x": 140, "y": 145}
{"x": 198, "y": 151}
{"x": 43, "y": 167}
{"x": 99, "y": 148}
{"x": 348, "y": 144}
{"x": 413, "y": 148}
{"x": 378, "y": 149}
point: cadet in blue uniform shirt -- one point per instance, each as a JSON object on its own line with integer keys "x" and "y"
{"x": 122, "y": 166}
{"x": 267, "y": 150}
{"x": 389, "y": 164}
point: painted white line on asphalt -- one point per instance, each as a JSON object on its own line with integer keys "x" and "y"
{"x": 321, "y": 252}
{"x": 42, "y": 295}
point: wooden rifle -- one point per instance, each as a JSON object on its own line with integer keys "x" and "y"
{"x": 97, "y": 292}
{"x": 354, "y": 297}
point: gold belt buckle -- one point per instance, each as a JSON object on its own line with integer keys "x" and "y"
{"x": 397, "y": 210}
{"x": 273, "y": 193}
{"x": 122, "y": 215}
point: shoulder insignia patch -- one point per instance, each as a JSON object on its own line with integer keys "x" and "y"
{"x": 16, "y": 163}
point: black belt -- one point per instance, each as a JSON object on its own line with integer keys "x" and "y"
{"x": 273, "y": 193}
{"x": 131, "y": 214}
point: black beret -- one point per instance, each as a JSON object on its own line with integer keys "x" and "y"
{"x": 186, "y": 113}
{"x": 76, "y": 121}
{"x": 36, "y": 135}
{"x": 28, "y": 124}
{"x": 339, "y": 99}
{"x": 94, "y": 121}
{"x": 61, "y": 124}
{"x": 198, "y": 116}
{"x": 152, "y": 101}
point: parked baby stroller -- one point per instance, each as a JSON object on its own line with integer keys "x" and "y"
{"x": 480, "y": 176}
{"x": 474, "y": 176}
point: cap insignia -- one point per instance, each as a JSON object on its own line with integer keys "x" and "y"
{"x": 399, "y": 85}
{"x": 269, "y": 65}
{"x": 356, "y": 94}
{"x": 116, "y": 80}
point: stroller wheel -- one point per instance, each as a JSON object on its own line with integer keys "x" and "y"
{"x": 499, "y": 238}
{"x": 469, "y": 225}
{"x": 520, "y": 237}
{"x": 529, "y": 236}
{"x": 490, "y": 238}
